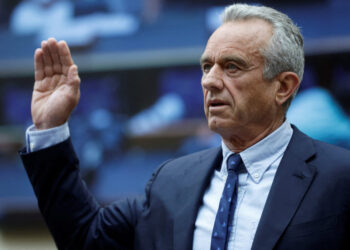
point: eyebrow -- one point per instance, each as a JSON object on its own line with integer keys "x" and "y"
{"x": 225, "y": 59}
{"x": 204, "y": 59}
{"x": 235, "y": 59}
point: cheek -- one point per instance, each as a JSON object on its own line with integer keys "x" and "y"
{"x": 234, "y": 92}
{"x": 244, "y": 100}
{"x": 205, "y": 93}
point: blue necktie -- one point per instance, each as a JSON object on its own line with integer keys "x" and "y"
{"x": 224, "y": 216}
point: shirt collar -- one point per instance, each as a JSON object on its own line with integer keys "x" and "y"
{"x": 259, "y": 157}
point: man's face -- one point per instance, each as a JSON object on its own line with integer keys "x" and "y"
{"x": 236, "y": 97}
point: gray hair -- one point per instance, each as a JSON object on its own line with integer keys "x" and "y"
{"x": 284, "y": 51}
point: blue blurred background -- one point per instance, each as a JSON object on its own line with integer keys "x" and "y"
{"x": 141, "y": 100}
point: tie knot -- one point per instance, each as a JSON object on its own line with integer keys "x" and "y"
{"x": 233, "y": 162}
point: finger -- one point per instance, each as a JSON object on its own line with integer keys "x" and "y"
{"x": 53, "y": 48}
{"x": 73, "y": 76}
{"x": 65, "y": 56}
{"x": 47, "y": 59}
{"x": 38, "y": 65}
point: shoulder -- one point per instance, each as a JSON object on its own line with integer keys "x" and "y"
{"x": 194, "y": 157}
{"x": 182, "y": 164}
{"x": 185, "y": 169}
{"x": 333, "y": 169}
{"x": 195, "y": 162}
{"x": 331, "y": 156}
{"x": 307, "y": 146}
{"x": 332, "y": 152}
{"x": 328, "y": 159}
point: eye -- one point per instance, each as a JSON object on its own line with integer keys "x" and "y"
{"x": 231, "y": 67}
{"x": 206, "y": 67}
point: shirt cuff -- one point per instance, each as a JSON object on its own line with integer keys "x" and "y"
{"x": 40, "y": 139}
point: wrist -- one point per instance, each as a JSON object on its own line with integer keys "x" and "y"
{"x": 46, "y": 125}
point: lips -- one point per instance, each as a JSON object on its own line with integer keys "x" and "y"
{"x": 216, "y": 103}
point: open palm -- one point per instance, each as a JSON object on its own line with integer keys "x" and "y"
{"x": 56, "y": 88}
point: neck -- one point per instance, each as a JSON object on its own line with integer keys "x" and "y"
{"x": 245, "y": 138}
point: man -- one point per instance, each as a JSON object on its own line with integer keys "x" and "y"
{"x": 279, "y": 188}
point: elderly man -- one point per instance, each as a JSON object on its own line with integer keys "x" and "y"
{"x": 268, "y": 186}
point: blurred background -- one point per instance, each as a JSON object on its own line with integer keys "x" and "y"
{"x": 141, "y": 100}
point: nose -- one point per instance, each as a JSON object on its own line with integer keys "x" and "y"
{"x": 212, "y": 80}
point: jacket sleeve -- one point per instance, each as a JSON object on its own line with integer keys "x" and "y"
{"x": 73, "y": 216}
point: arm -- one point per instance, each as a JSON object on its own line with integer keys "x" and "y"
{"x": 39, "y": 139}
{"x": 73, "y": 216}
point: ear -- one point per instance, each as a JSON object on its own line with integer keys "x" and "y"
{"x": 288, "y": 84}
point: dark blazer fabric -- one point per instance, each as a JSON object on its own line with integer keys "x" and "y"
{"x": 307, "y": 208}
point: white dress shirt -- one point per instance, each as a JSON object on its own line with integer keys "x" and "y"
{"x": 261, "y": 161}
{"x": 40, "y": 139}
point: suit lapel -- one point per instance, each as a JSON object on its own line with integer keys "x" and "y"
{"x": 293, "y": 178}
{"x": 195, "y": 181}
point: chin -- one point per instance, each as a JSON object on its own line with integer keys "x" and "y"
{"x": 216, "y": 126}
{"x": 223, "y": 128}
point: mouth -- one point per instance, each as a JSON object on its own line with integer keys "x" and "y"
{"x": 216, "y": 103}
{"x": 216, "y": 106}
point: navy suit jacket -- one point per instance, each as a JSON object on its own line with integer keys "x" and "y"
{"x": 307, "y": 208}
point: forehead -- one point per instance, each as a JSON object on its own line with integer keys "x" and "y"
{"x": 243, "y": 38}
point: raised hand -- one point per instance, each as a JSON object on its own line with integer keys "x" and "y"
{"x": 56, "y": 88}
